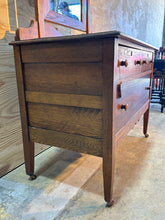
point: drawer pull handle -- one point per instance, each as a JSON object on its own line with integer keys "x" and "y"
{"x": 145, "y": 62}
{"x": 147, "y": 88}
{"x": 150, "y": 61}
{"x": 125, "y": 107}
{"x": 119, "y": 90}
{"x": 123, "y": 63}
{"x": 138, "y": 62}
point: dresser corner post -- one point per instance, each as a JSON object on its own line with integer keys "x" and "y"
{"x": 28, "y": 146}
{"x": 108, "y": 119}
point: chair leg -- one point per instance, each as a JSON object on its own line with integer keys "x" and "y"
{"x": 162, "y": 101}
{"x": 162, "y": 108}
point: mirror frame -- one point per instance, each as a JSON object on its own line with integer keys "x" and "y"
{"x": 48, "y": 15}
{"x": 41, "y": 27}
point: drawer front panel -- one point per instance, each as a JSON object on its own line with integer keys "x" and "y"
{"x": 130, "y": 56}
{"x": 134, "y": 94}
{"x": 133, "y": 61}
{"x": 146, "y": 58}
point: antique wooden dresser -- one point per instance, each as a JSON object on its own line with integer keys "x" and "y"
{"x": 83, "y": 93}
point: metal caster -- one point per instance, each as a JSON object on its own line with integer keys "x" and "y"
{"x": 109, "y": 204}
{"x": 32, "y": 177}
{"x": 146, "y": 135}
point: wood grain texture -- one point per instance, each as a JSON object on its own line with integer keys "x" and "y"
{"x": 65, "y": 99}
{"x": 135, "y": 96}
{"x": 11, "y": 148}
{"x": 56, "y": 82}
{"x": 83, "y": 121}
{"x": 108, "y": 119}
{"x": 14, "y": 14}
{"x": 51, "y": 31}
{"x": 11, "y": 153}
{"x": 131, "y": 123}
{"x": 71, "y": 78}
{"x": 132, "y": 56}
{"x": 73, "y": 142}
{"x": 28, "y": 33}
{"x": 27, "y": 144}
{"x": 62, "y": 53}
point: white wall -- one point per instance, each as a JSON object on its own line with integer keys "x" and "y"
{"x": 141, "y": 19}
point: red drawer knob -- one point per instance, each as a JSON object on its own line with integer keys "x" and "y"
{"x": 123, "y": 63}
{"x": 125, "y": 107}
{"x": 138, "y": 62}
{"x": 145, "y": 62}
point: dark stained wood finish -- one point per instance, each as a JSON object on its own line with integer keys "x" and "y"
{"x": 131, "y": 55}
{"x": 65, "y": 52}
{"x": 135, "y": 95}
{"x": 77, "y": 96}
{"x": 145, "y": 122}
{"x": 108, "y": 119}
{"x": 146, "y": 58}
{"x": 27, "y": 143}
{"x": 77, "y": 78}
{"x": 85, "y": 101}
{"x": 137, "y": 62}
{"x": 73, "y": 120}
{"x": 68, "y": 141}
{"x": 131, "y": 123}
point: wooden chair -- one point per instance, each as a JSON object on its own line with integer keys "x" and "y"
{"x": 158, "y": 82}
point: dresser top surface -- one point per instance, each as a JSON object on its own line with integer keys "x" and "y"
{"x": 100, "y": 35}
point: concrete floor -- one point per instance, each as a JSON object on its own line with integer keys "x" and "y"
{"x": 69, "y": 184}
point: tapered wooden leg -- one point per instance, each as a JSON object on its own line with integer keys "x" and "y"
{"x": 109, "y": 91}
{"x": 29, "y": 158}
{"x": 108, "y": 175}
{"x": 27, "y": 144}
{"x": 145, "y": 123}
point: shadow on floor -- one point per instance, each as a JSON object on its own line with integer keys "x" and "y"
{"x": 58, "y": 166}
{"x": 130, "y": 158}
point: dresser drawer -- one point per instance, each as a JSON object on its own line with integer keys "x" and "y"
{"x": 134, "y": 94}
{"x": 133, "y": 61}
{"x": 146, "y": 61}
{"x": 127, "y": 58}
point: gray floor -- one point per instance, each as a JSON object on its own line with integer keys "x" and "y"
{"x": 69, "y": 184}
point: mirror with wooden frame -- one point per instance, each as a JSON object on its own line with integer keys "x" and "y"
{"x": 54, "y": 13}
{"x": 50, "y": 11}
{"x": 70, "y": 8}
